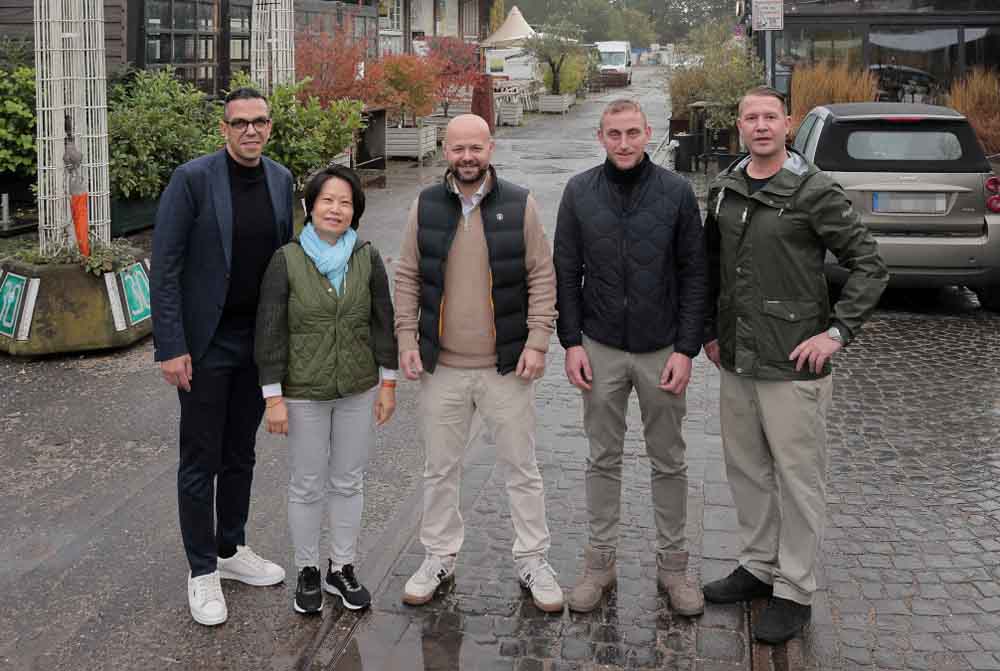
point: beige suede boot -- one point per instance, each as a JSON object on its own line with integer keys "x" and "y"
{"x": 684, "y": 592}
{"x": 599, "y": 575}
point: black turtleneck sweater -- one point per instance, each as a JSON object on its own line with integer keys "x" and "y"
{"x": 625, "y": 180}
{"x": 255, "y": 239}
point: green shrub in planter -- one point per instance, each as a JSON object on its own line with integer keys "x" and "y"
{"x": 305, "y": 136}
{"x": 17, "y": 123}
{"x": 156, "y": 122}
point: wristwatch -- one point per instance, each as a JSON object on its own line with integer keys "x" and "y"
{"x": 834, "y": 334}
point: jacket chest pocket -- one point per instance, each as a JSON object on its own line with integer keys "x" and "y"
{"x": 785, "y": 324}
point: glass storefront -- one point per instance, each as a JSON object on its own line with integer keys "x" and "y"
{"x": 982, "y": 47}
{"x": 913, "y": 64}
{"x": 806, "y": 45}
{"x": 854, "y": 6}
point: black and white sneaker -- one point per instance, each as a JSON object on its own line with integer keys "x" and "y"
{"x": 308, "y": 593}
{"x": 342, "y": 583}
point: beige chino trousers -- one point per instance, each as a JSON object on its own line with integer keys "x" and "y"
{"x": 774, "y": 438}
{"x": 616, "y": 373}
{"x": 506, "y": 403}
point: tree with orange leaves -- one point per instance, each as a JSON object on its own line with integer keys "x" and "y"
{"x": 336, "y": 66}
{"x": 458, "y": 64}
{"x": 409, "y": 85}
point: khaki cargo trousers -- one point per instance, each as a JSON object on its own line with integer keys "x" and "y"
{"x": 774, "y": 438}
{"x": 616, "y": 373}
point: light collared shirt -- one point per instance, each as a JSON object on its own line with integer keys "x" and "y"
{"x": 469, "y": 203}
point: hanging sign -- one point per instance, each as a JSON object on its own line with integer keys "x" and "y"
{"x": 768, "y": 15}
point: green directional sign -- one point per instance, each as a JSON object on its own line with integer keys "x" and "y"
{"x": 11, "y": 294}
{"x": 135, "y": 286}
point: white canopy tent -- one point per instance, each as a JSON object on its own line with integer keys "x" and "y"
{"x": 512, "y": 33}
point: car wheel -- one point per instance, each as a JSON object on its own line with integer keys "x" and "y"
{"x": 989, "y": 298}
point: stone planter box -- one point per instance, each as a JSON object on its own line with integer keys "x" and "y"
{"x": 511, "y": 113}
{"x": 410, "y": 142}
{"x": 557, "y": 104}
{"x": 55, "y": 308}
{"x": 129, "y": 216}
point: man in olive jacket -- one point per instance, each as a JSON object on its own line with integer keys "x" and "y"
{"x": 772, "y": 217}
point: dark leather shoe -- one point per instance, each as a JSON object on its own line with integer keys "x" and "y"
{"x": 781, "y": 620}
{"x": 740, "y": 585}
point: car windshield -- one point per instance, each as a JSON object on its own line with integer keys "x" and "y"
{"x": 890, "y": 145}
{"x": 867, "y": 145}
{"x": 612, "y": 58}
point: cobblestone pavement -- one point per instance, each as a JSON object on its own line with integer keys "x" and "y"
{"x": 912, "y": 553}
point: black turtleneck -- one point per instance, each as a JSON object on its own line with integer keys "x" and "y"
{"x": 255, "y": 239}
{"x": 626, "y": 179}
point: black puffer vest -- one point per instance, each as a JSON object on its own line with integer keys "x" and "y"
{"x": 438, "y": 213}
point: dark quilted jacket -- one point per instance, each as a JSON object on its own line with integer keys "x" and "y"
{"x": 630, "y": 265}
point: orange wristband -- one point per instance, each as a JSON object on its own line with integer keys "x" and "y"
{"x": 389, "y": 383}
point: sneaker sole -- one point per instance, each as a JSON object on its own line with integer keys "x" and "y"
{"x": 416, "y": 600}
{"x": 249, "y": 580}
{"x": 209, "y": 622}
{"x": 303, "y": 611}
{"x": 331, "y": 589}
{"x": 546, "y": 607}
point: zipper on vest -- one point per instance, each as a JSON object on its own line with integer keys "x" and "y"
{"x": 493, "y": 310}
{"x": 441, "y": 317}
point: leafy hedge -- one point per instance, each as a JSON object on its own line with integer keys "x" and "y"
{"x": 17, "y": 122}
{"x": 156, "y": 122}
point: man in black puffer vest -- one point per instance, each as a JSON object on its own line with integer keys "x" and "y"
{"x": 475, "y": 309}
{"x": 631, "y": 278}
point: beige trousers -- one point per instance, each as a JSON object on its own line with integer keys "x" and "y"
{"x": 774, "y": 438}
{"x": 616, "y": 373}
{"x": 506, "y": 403}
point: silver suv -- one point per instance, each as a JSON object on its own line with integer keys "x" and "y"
{"x": 919, "y": 177}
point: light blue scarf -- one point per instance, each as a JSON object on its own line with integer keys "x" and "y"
{"x": 331, "y": 260}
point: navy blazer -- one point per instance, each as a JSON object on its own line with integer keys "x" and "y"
{"x": 193, "y": 251}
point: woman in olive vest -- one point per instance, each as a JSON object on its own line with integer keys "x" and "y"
{"x": 327, "y": 356}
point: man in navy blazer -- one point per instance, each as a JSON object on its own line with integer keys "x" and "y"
{"x": 220, "y": 219}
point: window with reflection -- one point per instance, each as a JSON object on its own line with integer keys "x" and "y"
{"x": 239, "y": 35}
{"x": 878, "y": 6}
{"x": 799, "y": 45}
{"x": 982, "y": 47}
{"x": 913, "y": 64}
{"x": 183, "y": 34}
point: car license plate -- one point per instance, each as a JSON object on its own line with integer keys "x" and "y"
{"x": 909, "y": 202}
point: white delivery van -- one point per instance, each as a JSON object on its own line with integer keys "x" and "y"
{"x": 616, "y": 62}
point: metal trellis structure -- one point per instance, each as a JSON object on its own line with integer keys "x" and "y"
{"x": 272, "y": 43}
{"x": 71, "y": 92}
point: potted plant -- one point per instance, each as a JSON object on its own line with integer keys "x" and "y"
{"x": 409, "y": 92}
{"x": 156, "y": 122}
{"x": 557, "y": 53}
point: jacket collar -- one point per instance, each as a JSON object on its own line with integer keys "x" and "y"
{"x": 795, "y": 170}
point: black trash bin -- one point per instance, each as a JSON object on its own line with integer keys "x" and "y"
{"x": 687, "y": 144}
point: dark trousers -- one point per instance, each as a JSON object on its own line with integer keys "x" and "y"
{"x": 219, "y": 421}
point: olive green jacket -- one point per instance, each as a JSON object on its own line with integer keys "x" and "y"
{"x": 766, "y": 254}
{"x": 321, "y": 345}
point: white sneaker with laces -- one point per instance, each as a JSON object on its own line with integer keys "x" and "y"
{"x": 208, "y": 606}
{"x": 249, "y": 567}
{"x": 536, "y": 575}
{"x": 422, "y": 585}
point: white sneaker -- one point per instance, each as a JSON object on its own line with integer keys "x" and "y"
{"x": 249, "y": 567}
{"x": 535, "y": 574}
{"x": 421, "y": 586}
{"x": 208, "y": 606}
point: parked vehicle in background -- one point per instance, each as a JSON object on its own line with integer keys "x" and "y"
{"x": 923, "y": 185}
{"x": 615, "y": 62}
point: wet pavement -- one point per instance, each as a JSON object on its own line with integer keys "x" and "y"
{"x": 92, "y": 570}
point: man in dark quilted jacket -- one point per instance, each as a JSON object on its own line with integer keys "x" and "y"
{"x": 631, "y": 282}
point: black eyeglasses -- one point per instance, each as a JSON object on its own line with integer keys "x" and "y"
{"x": 259, "y": 124}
